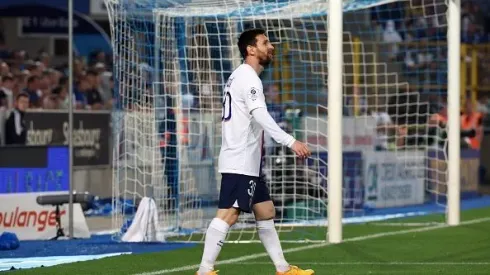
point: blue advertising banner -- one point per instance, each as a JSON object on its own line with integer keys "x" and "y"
{"x": 34, "y": 169}
{"x": 352, "y": 174}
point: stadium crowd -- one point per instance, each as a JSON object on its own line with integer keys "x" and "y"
{"x": 34, "y": 82}
{"x": 413, "y": 35}
{"x": 46, "y": 86}
{"x": 404, "y": 26}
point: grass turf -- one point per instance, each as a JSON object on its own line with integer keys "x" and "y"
{"x": 407, "y": 248}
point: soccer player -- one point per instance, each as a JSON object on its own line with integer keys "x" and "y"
{"x": 244, "y": 119}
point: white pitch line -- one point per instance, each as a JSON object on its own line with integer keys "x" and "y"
{"x": 406, "y": 224}
{"x": 312, "y": 246}
{"x": 371, "y": 263}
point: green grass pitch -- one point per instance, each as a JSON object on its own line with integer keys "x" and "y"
{"x": 420, "y": 245}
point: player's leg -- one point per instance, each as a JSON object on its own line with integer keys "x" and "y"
{"x": 264, "y": 215}
{"x": 234, "y": 198}
{"x": 264, "y": 211}
{"x": 215, "y": 238}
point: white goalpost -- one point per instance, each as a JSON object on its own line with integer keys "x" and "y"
{"x": 335, "y": 68}
{"x": 454, "y": 127}
{"x": 355, "y": 79}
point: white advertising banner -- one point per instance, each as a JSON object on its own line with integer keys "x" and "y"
{"x": 394, "y": 178}
{"x": 22, "y": 215}
{"x": 358, "y": 133}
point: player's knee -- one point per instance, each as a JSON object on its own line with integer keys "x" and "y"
{"x": 230, "y": 216}
{"x": 267, "y": 214}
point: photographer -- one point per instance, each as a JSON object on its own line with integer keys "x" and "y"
{"x": 471, "y": 127}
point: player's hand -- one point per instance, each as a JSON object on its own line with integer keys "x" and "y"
{"x": 301, "y": 149}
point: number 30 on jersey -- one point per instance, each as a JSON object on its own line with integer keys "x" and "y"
{"x": 226, "y": 111}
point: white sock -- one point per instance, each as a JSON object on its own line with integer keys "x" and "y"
{"x": 215, "y": 238}
{"x": 270, "y": 240}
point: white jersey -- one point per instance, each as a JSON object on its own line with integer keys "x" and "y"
{"x": 242, "y": 136}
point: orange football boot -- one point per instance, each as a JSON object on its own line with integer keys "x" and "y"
{"x": 294, "y": 270}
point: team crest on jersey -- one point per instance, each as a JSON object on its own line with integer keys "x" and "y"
{"x": 253, "y": 94}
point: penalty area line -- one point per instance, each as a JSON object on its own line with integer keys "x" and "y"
{"x": 312, "y": 246}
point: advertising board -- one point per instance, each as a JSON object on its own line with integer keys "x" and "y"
{"x": 394, "y": 178}
{"x": 358, "y": 133}
{"x": 22, "y": 215}
{"x": 352, "y": 177}
{"x": 34, "y": 169}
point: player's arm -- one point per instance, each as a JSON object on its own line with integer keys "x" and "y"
{"x": 255, "y": 101}
{"x": 262, "y": 116}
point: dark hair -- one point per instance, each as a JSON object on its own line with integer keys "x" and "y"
{"x": 7, "y": 78}
{"x": 248, "y": 38}
{"x": 21, "y": 95}
{"x": 63, "y": 80}
{"x": 32, "y": 78}
{"x": 56, "y": 90}
{"x": 92, "y": 73}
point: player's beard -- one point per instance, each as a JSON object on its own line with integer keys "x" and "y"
{"x": 266, "y": 60}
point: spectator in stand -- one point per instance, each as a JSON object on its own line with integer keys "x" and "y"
{"x": 78, "y": 69}
{"x": 474, "y": 35}
{"x": 112, "y": 89}
{"x": 472, "y": 120}
{"x": 33, "y": 91}
{"x": 438, "y": 122}
{"x": 6, "y": 92}
{"x": 33, "y": 67}
{"x": 96, "y": 57}
{"x": 15, "y": 126}
{"x": 274, "y": 103}
{"x": 80, "y": 93}
{"x": 466, "y": 16}
{"x": 392, "y": 38}
{"x": 45, "y": 59}
{"x": 94, "y": 99}
{"x": 50, "y": 102}
{"x": 384, "y": 125}
{"x": 471, "y": 13}
{"x": 105, "y": 83}
{"x": 4, "y": 68}
{"x": 100, "y": 67}
{"x": 61, "y": 97}
{"x": 20, "y": 81}
{"x": 482, "y": 105}
{"x": 45, "y": 84}
{"x": 17, "y": 62}
{"x": 392, "y": 11}
{"x": 62, "y": 94}
{"x": 54, "y": 77}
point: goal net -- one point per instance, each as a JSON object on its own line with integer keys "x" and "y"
{"x": 172, "y": 60}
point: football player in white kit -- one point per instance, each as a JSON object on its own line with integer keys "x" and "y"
{"x": 244, "y": 119}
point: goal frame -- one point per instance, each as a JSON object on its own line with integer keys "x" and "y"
{"x": 335, "y": 95}
{"x": 335, "y": 68}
